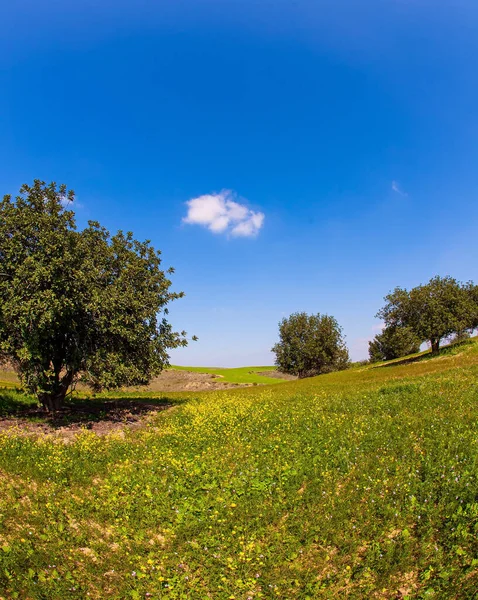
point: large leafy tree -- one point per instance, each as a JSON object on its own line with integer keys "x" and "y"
{"x": 393, "y": 342}
{"x": 78, "y": 304}
{"x": 432, "y": 311}
{"x": 310, "y": 345}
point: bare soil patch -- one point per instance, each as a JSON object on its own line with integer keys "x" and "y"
{"x": 98, "y": 415}
{"x": 187, "y": 381}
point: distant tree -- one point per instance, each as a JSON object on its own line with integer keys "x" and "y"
{"x": 310, "y": 345}
{"x": 393, "y": 342}
{"x": 459, "y": 337}
{"x": 78, "y": 303}
{"x": 432, "y": 311}
{"x": 359, "y": 363}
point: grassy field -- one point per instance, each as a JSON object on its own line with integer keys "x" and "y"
{"x": 359, "y": 484}
{"x": 238, "y": 375}
{"x": 8, "y": 379}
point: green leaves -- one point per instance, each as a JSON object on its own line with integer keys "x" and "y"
{"x": 433, "y": 311}
{"x": 310, "y": 345}
{"x": 78, "y": 303}
{"x": 393, "y": 342}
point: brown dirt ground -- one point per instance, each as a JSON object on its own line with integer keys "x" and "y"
{"x": 103, "y": 416}
{"x": 100, "y": 416}
{"x": 187, "y": 381}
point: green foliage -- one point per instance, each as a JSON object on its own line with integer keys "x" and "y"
{"x": 432, "y": 311}
{"x": 13, "y": 401}
{"x": 358, "y": 484}
{"x": 460, "y": 336}
{"x": 76, "y": 302}
{"x": 393, "y": 342}
{"x": 310, "y": 345}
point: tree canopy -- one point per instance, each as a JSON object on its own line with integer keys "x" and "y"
{"x": 78, "y": 304}
{"x": 310, "y": 345}
{"x": 393, "y": 342}
{"x": 432, "y": 311}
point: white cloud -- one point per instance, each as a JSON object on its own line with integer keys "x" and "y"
{"x": 221, "y": 213}
{"x": 396, "y": 188}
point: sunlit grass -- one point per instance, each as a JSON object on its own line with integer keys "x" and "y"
{"x": 236, "y": 375}
{"x": 359, "y": 484}
{"x": 8, "y": 379}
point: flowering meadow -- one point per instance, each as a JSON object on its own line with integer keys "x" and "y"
{"x": 358, "y": 484}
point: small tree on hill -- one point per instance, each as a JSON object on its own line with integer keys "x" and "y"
{"x": 432, "y": 311}
{"x": 78, "y": 303}
{"x": 393, "y": 342}
{"x": 310, "y": 345}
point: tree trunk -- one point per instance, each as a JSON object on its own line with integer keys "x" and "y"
{"x": 53, "y": 400}
{"x": 435, "y": 346}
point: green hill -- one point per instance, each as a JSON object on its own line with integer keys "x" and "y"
{"x": 236, "y": 375}
{"x": 358, "y": 484}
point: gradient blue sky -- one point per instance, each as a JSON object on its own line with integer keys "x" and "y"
{"x": 309, "y": 111}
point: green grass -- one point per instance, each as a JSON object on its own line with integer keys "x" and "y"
{"x": 12, "y": 401}
{"x": 359, "y": 484}
{"x": 8, "y": 379}
{"x": 237, "y": 375}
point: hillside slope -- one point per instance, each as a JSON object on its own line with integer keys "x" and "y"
{"x": 359, "y": 484}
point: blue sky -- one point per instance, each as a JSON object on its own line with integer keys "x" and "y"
{"x": 340, "y": 136}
